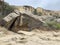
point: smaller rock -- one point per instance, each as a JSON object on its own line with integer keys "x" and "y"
{"x": 25, "y": 33}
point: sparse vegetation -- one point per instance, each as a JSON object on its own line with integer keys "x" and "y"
{"x": 35, "y": 12}
{"x": 54, "y": 25}
{"x": 39, "y": 13}
{"x": 8, "y": 8}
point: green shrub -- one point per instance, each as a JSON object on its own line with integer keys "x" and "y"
{"x": 54, "y": 25}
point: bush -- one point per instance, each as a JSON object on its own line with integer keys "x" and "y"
{"x": 8, "y": 8}
{"x": 39, "y": 13}
{"x": 35, "y": 12}
{"x": 54, "y": 25}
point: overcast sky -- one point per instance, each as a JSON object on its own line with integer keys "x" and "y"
{"x": 47, "y": 4}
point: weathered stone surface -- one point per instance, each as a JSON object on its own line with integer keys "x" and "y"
{"x": 10, "y": 17}
{"x": 13, "y": 17}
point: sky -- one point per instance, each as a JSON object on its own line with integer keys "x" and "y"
{"x": 46, "y": 4}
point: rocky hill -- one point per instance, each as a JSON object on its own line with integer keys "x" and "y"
{"x": 41, "y": 36}
{"x": 38, "y": 10}
{"x": 51, "y": 18}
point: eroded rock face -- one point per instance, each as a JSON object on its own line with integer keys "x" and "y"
{"x": 31, "y": 23}
{"x": 26, "y": 8}
{"x": 28, "y": 22}
{"x": 41, "y": 11}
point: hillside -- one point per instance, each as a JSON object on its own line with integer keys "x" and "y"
{"x": 32, "y": 31}
{"x": 38, "y": 10}
{"x": 51, "y": 18}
